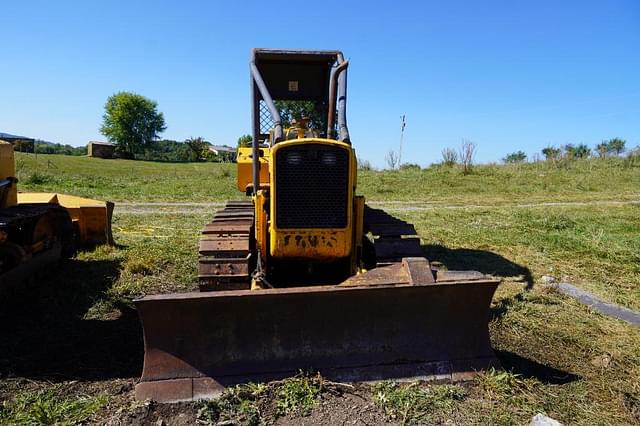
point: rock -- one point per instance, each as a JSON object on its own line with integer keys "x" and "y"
{"x": 547, "y": 279}
{"x": 601, "y": 361}
{"x": 542, "y": 420}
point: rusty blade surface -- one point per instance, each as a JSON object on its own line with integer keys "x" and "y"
{"x": 197, "y": 343}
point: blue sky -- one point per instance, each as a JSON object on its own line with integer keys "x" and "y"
{"x": 506, "y": 75}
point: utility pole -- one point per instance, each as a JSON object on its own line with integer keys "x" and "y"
{"x": 402, "y": 124}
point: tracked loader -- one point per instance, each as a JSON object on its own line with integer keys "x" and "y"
{"x": 303, "y": 274}
{"x": 38, "y": 229}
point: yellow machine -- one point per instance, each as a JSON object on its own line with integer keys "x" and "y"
{"x": 304, "y": 274}
{"x": 37, "y": 229}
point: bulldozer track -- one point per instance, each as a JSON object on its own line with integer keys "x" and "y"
{"x": 226, "y": 245}
{"x": 226, "y": 248}
{"x": 392, "y": 238}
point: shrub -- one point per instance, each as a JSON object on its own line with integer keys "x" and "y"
{"x": 577, "y": 151}
{"x": 467, "y": 151}
{"x": 392, "y": 159}
{"x": 364, "y": 165}
{"x": 515, "y": 157}
{"x": 617, "y": 145}
{"x": 39, "y": 178}
{"x": 551, "y": 153}
{"x": 410, "y": 166}
{"x": 449, "y": 157}
{"x": 633, "y": 158}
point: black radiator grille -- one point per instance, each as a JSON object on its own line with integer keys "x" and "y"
{"x": 312, "y": 186}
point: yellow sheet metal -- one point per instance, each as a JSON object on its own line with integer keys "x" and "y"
{"x": 7, "y": 171}
{"x": 91, "y": 218}
{"x": 245, "y": 167}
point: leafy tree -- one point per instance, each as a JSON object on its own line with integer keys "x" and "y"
{"x": 43, "y": 147}
{"x": 290, "y": 110}
{"x": 132, "y": 122}
{"x": 199, "y": 148}
{"x": 244, "y": 141}
{"x": 551, "y": 153}
{"x": 577, "y": 151}
{"x": 617, "y": 145}
{"x": 602, "y": 149}
{"x": 515, "y": 157}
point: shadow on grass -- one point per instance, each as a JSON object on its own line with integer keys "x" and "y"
{"x": 494, "y": 264}
{"x": 531, "y": 369}
{"x": 43, "y": 334}
{"x": 478, "y": 260}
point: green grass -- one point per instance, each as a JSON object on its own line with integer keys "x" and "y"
{"x": 416, "y": 404}
{"x": 560, "y": 358}
{"x": 594, "y": 247}
{"x": 47, "y": 407}
{"x": 582, "y": 180}
{"x": 550, "y": 345}
{"x": 127, "y": 180}
{"x": 254, "y": 404}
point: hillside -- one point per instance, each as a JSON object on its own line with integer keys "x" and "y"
{"x": 128, "y": 180}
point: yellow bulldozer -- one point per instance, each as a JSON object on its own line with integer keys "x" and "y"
{"x": 303, "y": 274}
{"x": 38, "y": 229}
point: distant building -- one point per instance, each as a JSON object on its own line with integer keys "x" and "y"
{"x": 20, "y": 143}
{"x": 225, "y": 152}
{"x": 100, "y": 149}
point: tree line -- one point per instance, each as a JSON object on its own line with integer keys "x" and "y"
{"x": 606, "y": 148}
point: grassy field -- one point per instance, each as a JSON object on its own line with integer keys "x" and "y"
{"x": 72, "y": 350}
{"x": 126, "y": 180}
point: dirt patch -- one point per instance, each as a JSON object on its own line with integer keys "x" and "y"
{"x": 149, "y": 413}
{"x": 348, "y": 406}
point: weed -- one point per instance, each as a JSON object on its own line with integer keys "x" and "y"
{"x": 415, "y": 403}
{"x": 237, "y": 405}
{"x": 38, "y": 178}
{"x": 140, "y": 265}
{"x": 45, "y": 407}
{"x": 297, "y": 395}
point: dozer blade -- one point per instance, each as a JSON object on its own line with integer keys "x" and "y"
{"x": 400, "y": 325}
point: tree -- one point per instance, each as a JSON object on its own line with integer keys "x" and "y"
{"x": 577, "y": 151}
{"x": 449, "y": 157}
{"x": 392, "y": 159}
{"x": 551, "y": 153}
{"x": 617, "y": 145}
{"x": 199, "y": 148}
{"x": 515, "y": 157}
{"x": 244, "y": 141}
{"x": 291, "y": 110}
{"x": 364, "y": 165}
{"x": 602, "y": 149}
{"x": 132, "y": 122}
{"x": 467, "y": 151}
